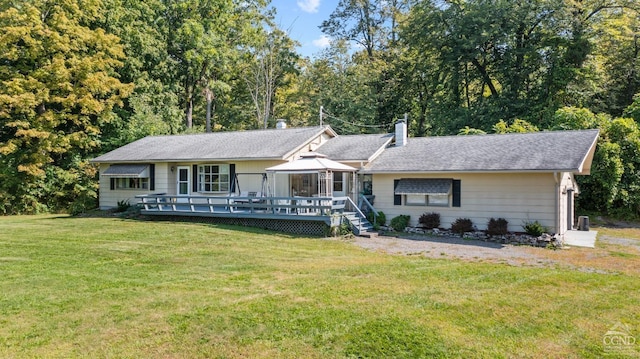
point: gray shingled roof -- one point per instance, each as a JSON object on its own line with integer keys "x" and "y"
{"x": 237, "y": 145}
{"x": 539, "y": 151}
{"x": 353, "y": 148}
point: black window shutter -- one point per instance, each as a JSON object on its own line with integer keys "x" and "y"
{"x": 113, "y": 183}
{"x": 456, "y": 193}
{"x": 152, "y": 177}
{"x": 194, "y": 180}
{"x": 397, "y": 198}
{"x": 232, "y": 177}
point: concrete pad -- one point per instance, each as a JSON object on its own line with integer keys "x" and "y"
{"x": 580, "y": 238}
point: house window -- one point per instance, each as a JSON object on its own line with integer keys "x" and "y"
{"x": 338, "y": 182}
{"x": 367, "y": 184}
{"x": 426, "y": 200}
{"x": 213, "y": 178}
{"x": 425, "y": 191}
{"x": 131, "y": 183}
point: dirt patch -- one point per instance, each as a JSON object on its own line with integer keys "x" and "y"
{"x": 613, "y": 255}
{"x": 452, "y": 247}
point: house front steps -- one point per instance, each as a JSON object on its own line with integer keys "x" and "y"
{"x": 360, "y": 225}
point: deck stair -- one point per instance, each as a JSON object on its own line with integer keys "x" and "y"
{"x": 360, "y": 225}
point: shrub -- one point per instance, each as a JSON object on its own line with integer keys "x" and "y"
{"x": 462, "y": 225}
{"x": 430, "y": 220}
{"x": 380, "y": 219}
{"x": 534, "y": 228}
{"x": 400, "y": 222}
{"x": 123, "y": 206}
{"x": 497, "y": 227}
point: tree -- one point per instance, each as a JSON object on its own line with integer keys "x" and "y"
{"x": 196, "y": 33}
{"x": 518, "y": 126}
{"x": 370, "y": 24}
{"x": 270, "y": 60}
{"x": 57, "y": 88}
{"x": 154, "y": 107}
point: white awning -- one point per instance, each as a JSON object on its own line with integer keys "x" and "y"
{"x": 423, "y": 186}
{"x": 128, "y": 171}
{"x": 311, "y": 162}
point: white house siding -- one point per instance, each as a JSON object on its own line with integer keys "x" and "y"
{"x": 109, "y": 198}
{"x": 166, "y": 181}
{"x": 517, "y": 197}
{"x": 567, "y": 187}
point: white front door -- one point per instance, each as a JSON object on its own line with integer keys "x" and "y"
{"x": 340, "y": 183}
{"x": 184, "y": 181}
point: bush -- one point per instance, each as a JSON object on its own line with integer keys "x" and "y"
{"x": 430, "y": 220}
{"x": 462, "y": 225}
{"x": 123, "y": 206}
{"x": 497, "y": 227}
{"x": 380, "y": 219}
{"x": 400, "y": 222}
{"x": 534, "y": 228}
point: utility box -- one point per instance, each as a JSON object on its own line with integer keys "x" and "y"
{"x": 583, "y": 223}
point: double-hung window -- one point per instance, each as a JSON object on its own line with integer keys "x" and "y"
{"x": 132, "y": 183}
{"x": 213, "y": 178}
{"x": 425, "y": 191}
{"x": 131, "y": 176}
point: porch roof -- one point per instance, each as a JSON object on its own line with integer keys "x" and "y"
{"x": 311, "y": 162}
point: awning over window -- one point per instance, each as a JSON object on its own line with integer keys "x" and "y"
{"x": 425, "y": 186}
{"x": 129, "y": 171}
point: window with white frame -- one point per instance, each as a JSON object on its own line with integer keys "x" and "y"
{"x": 213, "y": 178}
{"x": 426, "y": 200}
{"x": 131, "y": 183}
{"x": 424, "y": 191}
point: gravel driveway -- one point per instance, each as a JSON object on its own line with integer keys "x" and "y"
{"x": 452, "y": 247}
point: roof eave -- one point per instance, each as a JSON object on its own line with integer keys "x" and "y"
{"x": 585, "y": 164}
{"x": 154, "y": 160}
{"x": 572, "y": 170}
{"x": 321, "y": 130}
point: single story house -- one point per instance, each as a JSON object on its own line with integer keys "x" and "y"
{"x": 519, "y": 177}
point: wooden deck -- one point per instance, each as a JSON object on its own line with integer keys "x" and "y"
{"x": 279, "y": 208}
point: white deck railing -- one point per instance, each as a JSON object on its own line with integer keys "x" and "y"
{"x": 323, "y": 206}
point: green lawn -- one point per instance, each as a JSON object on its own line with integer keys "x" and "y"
{"x": 107, "y": 287}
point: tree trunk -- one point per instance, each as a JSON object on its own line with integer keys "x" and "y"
{"x": 189, "y": 112}
{"x": 485, "y": 76}
{"x": 209, "y": 96}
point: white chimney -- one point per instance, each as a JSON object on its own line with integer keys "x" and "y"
{"x": 281, "y": 124}
{"x": 401, "y": 132}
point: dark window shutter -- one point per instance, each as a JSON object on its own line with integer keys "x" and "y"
{"x": 113, "y": 183}
{"x": 456, "y": 193}
{"x": 194, "y": 181}
{"x": 152, "y": 177}
{"x": 397, "y": 198}
{"x": 232, "y": 177}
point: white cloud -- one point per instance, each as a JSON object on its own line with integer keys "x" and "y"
{"x": 310, "y": 6}
{"x": 322, "y": 42}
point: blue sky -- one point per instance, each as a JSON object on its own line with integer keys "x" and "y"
{"x": 301, "y": 19}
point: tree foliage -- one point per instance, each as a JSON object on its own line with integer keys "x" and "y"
{"x": 58, "y": 85}
{"x": 78, "y": 77}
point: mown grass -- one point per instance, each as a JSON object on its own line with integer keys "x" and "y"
{"x": 106, "y": 287}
